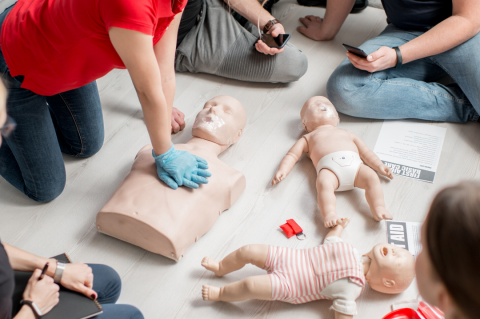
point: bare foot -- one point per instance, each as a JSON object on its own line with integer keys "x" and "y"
{"x": 330, "y": 219}
{"x": 210, "y": 293}
{"x": 211, "y": 265}
{"x": 381, "y": 213}
{"x": 343, "y": 222}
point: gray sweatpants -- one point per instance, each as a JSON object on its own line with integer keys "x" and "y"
{"x": 219, "y": 45}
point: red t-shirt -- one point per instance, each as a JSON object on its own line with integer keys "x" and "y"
{"x": 60, "y": 45}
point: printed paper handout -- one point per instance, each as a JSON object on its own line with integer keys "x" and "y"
{"x": 411, "y": 149}
{"x": 405, "y": 235}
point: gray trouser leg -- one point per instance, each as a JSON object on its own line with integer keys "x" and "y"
{"x": 219, "y": 45}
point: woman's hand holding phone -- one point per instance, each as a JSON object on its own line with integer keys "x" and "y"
{"x": 382, "y": 59}
{"x": 265, "y": 49}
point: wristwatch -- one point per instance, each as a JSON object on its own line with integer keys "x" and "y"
{"x": 36, "y": 311}
{"x": 269, "y": 25}
{"x": 57, "y": 277}
{"x": 399, "y": 58}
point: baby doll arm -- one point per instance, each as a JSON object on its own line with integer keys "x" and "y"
{"x": 339, "y": 315}
{"x": 370, "y": 158}
{"x": 289, "y": 160}
{"x": 338, "y": 229}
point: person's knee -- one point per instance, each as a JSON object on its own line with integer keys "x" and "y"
{"x": 47, "y": 189}
{"x": 290, "y": 65}
{"x": 110, "y": 282}
{"x": 343, "y": 88}
{"x": 91, "y": 146}
{"x": 132, "y": 312}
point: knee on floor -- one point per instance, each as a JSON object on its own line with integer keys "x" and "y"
{"x": 48, "y": 190}
{"x": 90, "y": 148}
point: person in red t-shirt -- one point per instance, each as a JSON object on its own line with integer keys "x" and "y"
{"x": 52, "y": 51}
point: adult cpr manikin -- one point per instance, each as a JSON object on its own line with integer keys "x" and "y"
{"x": 147, "y": 213}
{"x": 333, "y": 271}
{"x": 339, "y": 157}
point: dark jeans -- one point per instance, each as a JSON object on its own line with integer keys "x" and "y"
{"x": 47, "y": 126}
{"x": 108, "y": 285}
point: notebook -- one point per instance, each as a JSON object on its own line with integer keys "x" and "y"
{"x": 72, "y": 305}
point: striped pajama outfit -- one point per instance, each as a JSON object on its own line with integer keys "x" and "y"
{"x": 299, "y": 275}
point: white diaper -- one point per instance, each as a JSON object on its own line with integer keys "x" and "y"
{"x": 344, "y": 165}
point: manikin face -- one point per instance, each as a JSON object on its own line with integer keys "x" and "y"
{"x": 392, "y": 268}
{"x": 317, "y": 111}
{"x": 221, "y": 121}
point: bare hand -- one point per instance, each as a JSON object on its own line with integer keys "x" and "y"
{"x": 312, "y": 28}
{"x": 178, "y": 120}
{"x": 43, "y": 292}
{"x": 265, "y": 49}
{"x": 385, "y": 171}
{"x": 383, "y": 58}
{"x": 79, "y": 277}
{"x": 279, "y": 176}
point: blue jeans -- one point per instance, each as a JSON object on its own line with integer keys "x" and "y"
{"x": 411, "y": 91}
{"x": 71, "y": 123}
{"x": 108, "y": 285}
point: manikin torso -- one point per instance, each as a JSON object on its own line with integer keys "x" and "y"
{"x": 147, "y": 213}
{"x": 327, "y": 139}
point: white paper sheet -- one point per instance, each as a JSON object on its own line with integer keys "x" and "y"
{"x": 411, "y": 149}
{"x": 405, "y": 235}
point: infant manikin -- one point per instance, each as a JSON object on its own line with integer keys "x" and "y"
{"x": 146, "y": 212}
{"x": 333, "y": 271}
{"x": 339, "y": 158}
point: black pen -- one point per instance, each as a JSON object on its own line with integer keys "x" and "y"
{"x": 43, "y": 271}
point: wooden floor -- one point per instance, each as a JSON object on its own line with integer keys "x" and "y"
{"x": 162, "y": 288}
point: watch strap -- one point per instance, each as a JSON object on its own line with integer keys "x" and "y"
{"x": 36, "y": 311}
{"x": 57, "y": 277}
{"x": 269, "y": 25}
{"x": 399, "y": 58}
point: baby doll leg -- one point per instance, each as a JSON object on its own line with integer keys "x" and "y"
{"x": 368, "y": 180}
{"x": 327, "y": 183}
{"x": 249, "y": 254}
{"x": 257, "y": 287}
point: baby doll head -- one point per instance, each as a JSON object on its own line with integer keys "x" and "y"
{"x": 221, "y": 121}
{"x": 317, "y": 111}
{"x": 391, "y": 270}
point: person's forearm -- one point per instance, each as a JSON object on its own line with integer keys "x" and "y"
{"x": 252, "y": 10}
{"x": 337, "y": 12}
{"x": 446, "y": 35}
{"x": 24, "y": 261}
{"x": 157, "y": 114}
{"x": 25, "y": 313}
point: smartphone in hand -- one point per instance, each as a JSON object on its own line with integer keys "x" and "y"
{"x": 357, "y": 51}
{"x": 277, "y": 42}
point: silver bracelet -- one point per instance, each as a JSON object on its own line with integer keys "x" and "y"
{"x": 57, "y": 277}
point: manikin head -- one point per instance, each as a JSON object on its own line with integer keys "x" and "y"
{"x": 392, "y": 269}
{"x": 221, "y": 121}
{"x": 318, "y": 111}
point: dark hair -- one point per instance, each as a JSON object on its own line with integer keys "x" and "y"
{"x": 453, "y": 244}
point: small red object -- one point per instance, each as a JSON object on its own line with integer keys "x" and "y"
{"x": 403, "y": 313}
{"x": 291, "y": 228}
{"x": 429, "y": 312}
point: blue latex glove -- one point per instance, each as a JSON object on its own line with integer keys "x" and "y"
{"x": 180, "y": 168}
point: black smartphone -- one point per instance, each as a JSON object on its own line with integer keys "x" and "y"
{"x": 356, "y": 51}
{"x": 277, "y": 42}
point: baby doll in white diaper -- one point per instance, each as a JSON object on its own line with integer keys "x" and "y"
{"x": 333, "y": 271}
{"x": 343, "y": 161}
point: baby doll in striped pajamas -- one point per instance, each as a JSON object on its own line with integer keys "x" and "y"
{"x": 342, "y": 161}
{"x": 333, "y": 271}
